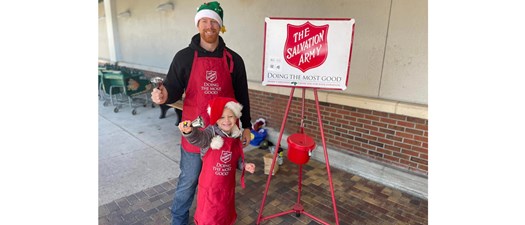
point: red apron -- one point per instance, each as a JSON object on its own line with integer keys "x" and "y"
{"x": 210, "y": 77}
{"x": 216, "y": 191}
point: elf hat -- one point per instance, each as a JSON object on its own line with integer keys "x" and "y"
{"x": 216, "y": 107}
{"x": 211, "y": 10}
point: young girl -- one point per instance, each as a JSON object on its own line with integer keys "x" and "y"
{"x": 222, "y": 153}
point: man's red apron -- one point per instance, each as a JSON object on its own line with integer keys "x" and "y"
{"x": 210, "y": 77}
{"x": 216, "y": 195}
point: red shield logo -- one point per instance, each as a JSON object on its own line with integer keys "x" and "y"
{"x": 226, "y": 156}
{"x": 306, "y": 46}
{"x": 211, "y": 75}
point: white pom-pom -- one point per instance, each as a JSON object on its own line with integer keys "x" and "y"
{"x": 235, "y": 108}
{"x": 216, "y": 142}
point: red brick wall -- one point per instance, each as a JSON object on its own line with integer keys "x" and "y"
{"x": 397, "y": 140}
{"x": 150, "y": 74}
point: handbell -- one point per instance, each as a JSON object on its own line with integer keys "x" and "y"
{"x": 199, "y": 122}
{"x": 157, "y": 81}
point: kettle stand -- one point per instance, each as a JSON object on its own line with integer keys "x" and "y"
{"x": 298, "y": 208}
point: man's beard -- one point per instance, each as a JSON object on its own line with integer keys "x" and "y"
{"x": 210, "y": 38}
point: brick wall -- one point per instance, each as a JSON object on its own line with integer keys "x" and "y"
{"x": 388, "y": 138}
{"x": 150, "y": 74}
{"x": 392, "y": 139}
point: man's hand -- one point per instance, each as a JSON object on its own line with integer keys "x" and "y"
{"x": 159, "y": 95}
{"x": 246, "y": 137}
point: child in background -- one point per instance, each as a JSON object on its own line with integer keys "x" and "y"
{"x": 222, "y": 154}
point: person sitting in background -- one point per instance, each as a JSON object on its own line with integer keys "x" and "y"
{"x": 258, "y": 132}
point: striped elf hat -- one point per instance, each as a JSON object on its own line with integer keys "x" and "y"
{"x": 211, "y": 10}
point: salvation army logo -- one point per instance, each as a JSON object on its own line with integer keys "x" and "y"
{"x": 211, "y": 75}
{"x": 226, "y": 156}
{"x": 306, "y": 46}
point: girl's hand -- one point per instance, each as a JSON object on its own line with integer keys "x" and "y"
{"x": 185, "y": 127}
{"x": 250, "y": 167}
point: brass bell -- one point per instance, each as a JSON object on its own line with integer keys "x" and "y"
{"x": 199, "y": 122}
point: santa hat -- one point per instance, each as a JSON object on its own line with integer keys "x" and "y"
{"x": 211, "y": 10}
{"x": 215, "y": 109}
{"x": 261, "y": 122}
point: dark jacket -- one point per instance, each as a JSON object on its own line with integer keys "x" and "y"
{"x": 180, "y": 69}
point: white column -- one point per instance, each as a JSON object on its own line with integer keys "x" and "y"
{"x": 112, "y": 30}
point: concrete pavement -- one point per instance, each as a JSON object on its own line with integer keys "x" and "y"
{"x": 135, "y": 151}
{"x": 139, "y": 165}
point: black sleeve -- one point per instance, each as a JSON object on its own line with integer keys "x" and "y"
{"x": 240, "y": 86}
{"x": 178, "y": 75}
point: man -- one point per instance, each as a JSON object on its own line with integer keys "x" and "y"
{"x": 203, "y": 70}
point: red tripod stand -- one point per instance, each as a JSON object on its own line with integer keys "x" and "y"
{"x": 298, "y": 208}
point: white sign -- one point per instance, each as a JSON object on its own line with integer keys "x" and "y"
{"x": 307, "y": 52}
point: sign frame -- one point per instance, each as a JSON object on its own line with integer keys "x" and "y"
{"x": 307, "y": 52}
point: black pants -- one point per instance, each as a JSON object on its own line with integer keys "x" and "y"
{"x": 164, "y": 108}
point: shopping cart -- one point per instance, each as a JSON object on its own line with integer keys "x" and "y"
{"x": 125, "y": 86}
{"x": 101, "y": 93}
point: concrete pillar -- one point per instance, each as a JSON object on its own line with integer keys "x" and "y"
{"x": 112, "y": 30}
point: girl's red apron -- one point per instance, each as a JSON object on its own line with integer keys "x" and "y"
{"x": 216, "y": 191}
{"x": 210, "y": 77}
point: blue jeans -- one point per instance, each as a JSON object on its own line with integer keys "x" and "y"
{"x": 190, "y": 168}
